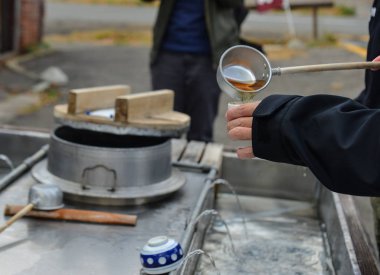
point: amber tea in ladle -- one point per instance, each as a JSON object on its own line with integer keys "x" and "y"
{"x": 242, "y": 78}
{"x": 242, "y": 73}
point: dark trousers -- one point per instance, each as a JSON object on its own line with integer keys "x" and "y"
{"x": 193, "y": 80}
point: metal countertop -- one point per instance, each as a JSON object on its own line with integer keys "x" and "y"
{"x": 32, "y": 246}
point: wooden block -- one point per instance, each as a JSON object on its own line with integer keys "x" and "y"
{"x": 143, "y": 105}
{"x": 82, "y": 100}
{"x": 193, "y": 152}
{"x": 178, "y": 146}
{"x": 213, "y": 155}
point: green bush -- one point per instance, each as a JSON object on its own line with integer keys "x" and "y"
{"x": 346, "y": 11}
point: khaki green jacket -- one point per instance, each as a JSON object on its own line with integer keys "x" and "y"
{"x": 220, "y": 22}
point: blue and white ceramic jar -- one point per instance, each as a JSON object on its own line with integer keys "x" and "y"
{"x": 161, "y": 255}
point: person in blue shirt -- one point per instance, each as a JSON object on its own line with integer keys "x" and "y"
{"x": 189, "y": 38}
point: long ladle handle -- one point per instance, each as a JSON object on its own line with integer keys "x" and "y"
{"x": 326, "y": 67}
{"x": 17, "y": 216}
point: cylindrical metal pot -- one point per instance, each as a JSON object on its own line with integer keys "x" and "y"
{"x": 105, "y": 161}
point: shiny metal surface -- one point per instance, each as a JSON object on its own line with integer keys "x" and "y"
{"x": 258, "y": 177}
{"x": 193, "y": 236}
{"x": 124, "y": 195}
{"x": 34, "y": 246}
{"x": 23, "y": 167}
{"x": 5, "y": 159}
{"x": 23, "y": 147}
{"x": 19, "y": 143}
{"x": 252, "y": 60}
{"x": 54, "y": 247}
{"x": 108, "y": 169}
{"x": 45, "y": 197}
{"x": 281, "y": 181}
{"x": 284, "y": 237}
{"x": 91, "y": 161}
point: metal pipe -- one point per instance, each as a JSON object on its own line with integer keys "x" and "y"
{"x": 23, "y": 167}
{"x": 202, "y": 167}
{"x": 189, "y": 232}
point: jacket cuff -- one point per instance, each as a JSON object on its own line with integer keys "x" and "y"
{"x": 267, "y": 138}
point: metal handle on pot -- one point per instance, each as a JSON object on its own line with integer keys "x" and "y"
{"x": 85, "y": 171}
{"x": 7, "y": 161}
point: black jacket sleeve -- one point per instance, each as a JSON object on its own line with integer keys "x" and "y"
{"x": 336, "y": 137}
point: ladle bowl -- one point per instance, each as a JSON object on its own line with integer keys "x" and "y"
{"x": 243, "y": 71}
{"x": 245, "y": 65}
{"x": 41, "y": 197}
{"x": 46, "y": 197}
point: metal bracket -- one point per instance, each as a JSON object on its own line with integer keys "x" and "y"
{"x": 7, "y": 161}
{"x": 86, "y": 186}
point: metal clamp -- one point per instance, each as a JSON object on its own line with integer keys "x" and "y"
{"x": 7, "y": 161}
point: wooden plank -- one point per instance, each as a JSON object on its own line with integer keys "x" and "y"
{"x": 178, "y": 146}
{"x": 143, "y": 105}
{"x": 172, "y": 116}
{"x": 193, "y": 152}
{"x": 213, "y": 155}
{"x": 82, "y": 100}
{"x": 172, "y": 119}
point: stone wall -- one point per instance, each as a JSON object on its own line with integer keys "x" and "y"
{"x": 31, "y": 23}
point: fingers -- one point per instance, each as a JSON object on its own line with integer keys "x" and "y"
{"x": 377, "y": 59}
{"x": 245, "y": 153}
{"x": 240, "y": 133}
{"x": 243, "y": 110}
{"x": 239, "y": 126}
{"x": 240, "y": 122}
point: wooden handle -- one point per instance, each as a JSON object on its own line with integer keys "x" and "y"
{"x": 21, "y": 211}
{"x": 327, "y": 67}
{"x": 76, "y": 215}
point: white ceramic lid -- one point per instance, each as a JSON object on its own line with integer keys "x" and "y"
{"x": 157, "y": 245}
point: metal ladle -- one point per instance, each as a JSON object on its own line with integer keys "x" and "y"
{"x": 244, "y": 71}
{"x": 41, "y": 197}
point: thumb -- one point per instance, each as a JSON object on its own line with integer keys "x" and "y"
{"x": 377, "y": 59}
